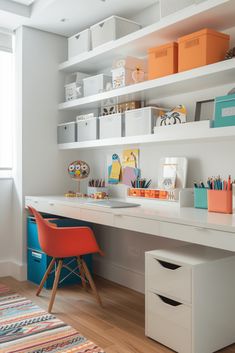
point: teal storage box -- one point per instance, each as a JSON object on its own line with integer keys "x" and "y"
{"x": 200, "y": 198}
{"x": 224, "y": 111}
{"x": 38, "y": 261}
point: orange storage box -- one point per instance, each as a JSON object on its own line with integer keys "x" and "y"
{"x": 163, "y": 60}
{"x": 220, "y": 201}
{"x": 202, "y": 48}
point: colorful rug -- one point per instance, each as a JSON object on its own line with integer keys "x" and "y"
{"x": 26, "y": 328}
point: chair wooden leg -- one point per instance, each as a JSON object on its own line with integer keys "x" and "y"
{"x": 91, "y": 281}
{"x": 55, "y": 285}
{"x": 48, "y": 271}
{"x": 82, "y": 273}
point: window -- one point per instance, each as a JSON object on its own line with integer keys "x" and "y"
{"x": 6, "y": 109}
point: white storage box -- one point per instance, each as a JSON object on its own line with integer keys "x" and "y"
{"x": 111, "y": 28}
{"x": 79, "y": 43}
{"x": 87, "y": 129}
{"x": 141, "y": 121}
{"x": 74, "y": 86}
{"x": 111, "y": 126}
{"x": 168, "y": 7}
{"x": 67, "y": 132}
{"x": 128, "y": 71}
{"x": 95, "y": 84}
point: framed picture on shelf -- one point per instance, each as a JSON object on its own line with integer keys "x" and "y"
{"x": 204, "y": 110}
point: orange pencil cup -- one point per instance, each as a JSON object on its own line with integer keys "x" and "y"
{"x": 220, "y": 201}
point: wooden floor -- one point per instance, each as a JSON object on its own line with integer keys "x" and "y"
{"x": 117, "y": 328}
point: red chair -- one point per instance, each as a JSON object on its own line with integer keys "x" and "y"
{"x": 61, "y": 243}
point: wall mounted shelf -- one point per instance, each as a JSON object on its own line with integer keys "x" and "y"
{"x": 217, "y": 14}
{"x": 200, "y": 135}
{"x": 192, "y": 80}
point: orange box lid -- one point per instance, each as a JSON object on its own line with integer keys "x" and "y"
{"x": 203, "y": 32}
{"x": 164, "y": 46}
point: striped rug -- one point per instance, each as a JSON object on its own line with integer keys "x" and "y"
{"x": 26, "y": 328}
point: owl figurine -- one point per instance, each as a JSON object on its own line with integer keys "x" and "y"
{"x": 78, "y": 170}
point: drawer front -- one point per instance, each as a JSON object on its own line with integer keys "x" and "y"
{"x": 148, "y": 226}
{"x": 98, "y": 217}
{"x": 54, "y": 208}
{"x": 169, "y": 278}
{"x": 168, "y": 322}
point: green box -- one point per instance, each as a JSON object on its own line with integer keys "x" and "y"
{"x": 224, "y": 111}
{"x": 200, "y": 198}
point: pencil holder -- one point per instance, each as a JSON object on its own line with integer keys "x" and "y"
{"x": 220, "y": 201}
{"x": 200, "y": 198}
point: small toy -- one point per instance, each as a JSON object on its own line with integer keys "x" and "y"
{"x": 174, "y": 116}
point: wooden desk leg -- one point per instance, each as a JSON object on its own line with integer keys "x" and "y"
{"x": 82, "y": 273}
{"x": 55, "y": 285}
{"x": 91, "y": 281}
{"x": 48, "y": 271}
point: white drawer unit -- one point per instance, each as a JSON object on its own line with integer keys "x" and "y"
{"x": 79, "y": 43}
{"x": 141, "y": 121}
{"x": 110, "y": 29}
{"x": 111, "y": 126}
{"x": 189, "y": 297}
{"x": 87, "y": 129}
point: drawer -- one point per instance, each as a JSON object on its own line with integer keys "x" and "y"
{"x": 98, "y": 217}
{"x": 168, "y": 322}
{"x": 169, "y": 278}
{"x": 148, "y": 226}
{"x": 54, "y": 208}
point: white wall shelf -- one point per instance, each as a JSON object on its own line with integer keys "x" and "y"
{"x": 200, "y": 135}
{"x": 216, "y": 14}
{"x": 192, "y": 80}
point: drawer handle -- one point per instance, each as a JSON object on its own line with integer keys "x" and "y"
{"x": 168, "y": 265}
{"x": 35, "y": 201}
{"x": 168, "y": 301}
{"x": 51, "y": 204}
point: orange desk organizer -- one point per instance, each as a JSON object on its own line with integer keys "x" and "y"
{"x": 150, "y": 193}
{"x": 220, "y": 201}
{"x": 202, "y": 48}
{"x": 162, "y": 60}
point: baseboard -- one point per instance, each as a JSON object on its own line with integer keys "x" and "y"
{"x": 119, "y": 274}
{"x": 13, "y": 269}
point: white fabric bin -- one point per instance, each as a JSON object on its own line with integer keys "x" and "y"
{"x": 111, "y": 126}
{"x": 141, "y": 121}
{"x": 95, "y": 84}
{"x": 67, "y": 132}
{"x": 87, "y": 129}
{"x": 79, "y": 43}
{"x": 111, "y": 28}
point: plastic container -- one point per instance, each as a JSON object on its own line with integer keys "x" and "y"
{"x": 141, "y": 121}
{"x": 202, "y": 48}
{"x": 87, "y": 129}
{"x": 200, "y": 198}
{"x": 162, "y": 60}
{"x": 111, "y": 126}
{"x": 95, "y": 84}
{"x": 79, "y": 43}
{"x": 110, "y": 29}
{"x": 220, "y": 201}
{"x": 67, "y": 132}
{"x": 224, "y": 111}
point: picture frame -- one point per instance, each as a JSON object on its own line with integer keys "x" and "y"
{"x": 204, "y": 110}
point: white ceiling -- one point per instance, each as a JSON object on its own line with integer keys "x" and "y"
{"x": 77, "y": 14}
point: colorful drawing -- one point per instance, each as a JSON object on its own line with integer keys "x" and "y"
{"x": 130, "y": 158}
{"x": 114, "y": 170}
{"x": 130, "y": 174}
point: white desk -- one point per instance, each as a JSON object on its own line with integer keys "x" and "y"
{"x": 185, "y": 224}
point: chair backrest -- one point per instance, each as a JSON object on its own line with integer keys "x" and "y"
{"x": 43, "y": 230}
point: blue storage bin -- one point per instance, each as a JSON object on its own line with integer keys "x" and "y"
{"x": 200, "y": 198}
{"x": 224, "y": 111}
{"x": 38, "y": 261}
